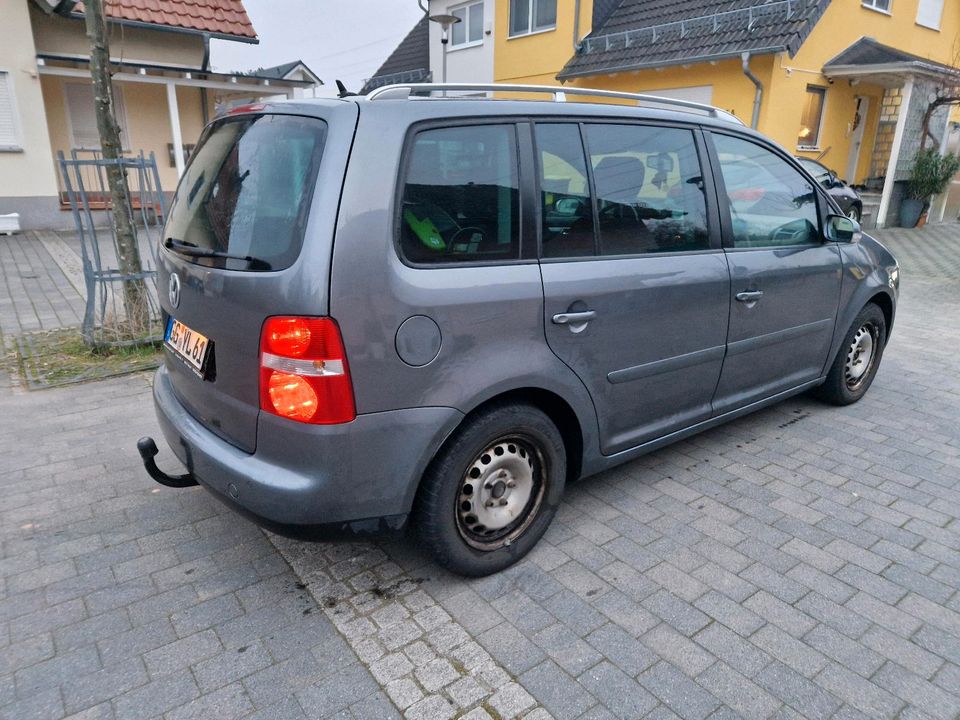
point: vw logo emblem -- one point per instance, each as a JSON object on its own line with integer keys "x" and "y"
{"x": 174, "y": 290}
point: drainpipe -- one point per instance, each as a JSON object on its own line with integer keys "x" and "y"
{"x": 758, "y": 96}
{"x": 576, "y": 27}
{"x": 205, "y": 64}
{"x": 205, "y": 67}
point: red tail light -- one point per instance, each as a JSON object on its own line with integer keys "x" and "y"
{"x": 303, "y": 371}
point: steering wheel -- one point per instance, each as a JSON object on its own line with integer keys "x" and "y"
{"x": 471, "y": 229}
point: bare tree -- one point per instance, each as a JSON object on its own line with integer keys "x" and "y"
{"x": 946, "y": 94}
{"x": 128, "y": 253}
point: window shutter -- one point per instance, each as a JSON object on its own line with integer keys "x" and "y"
{"x": 83, "y": 118}
{"x": 929, "y": 13}
{"x": 9, "y": 137}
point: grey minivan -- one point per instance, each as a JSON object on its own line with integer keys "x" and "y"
{"x": 400, "y": 310}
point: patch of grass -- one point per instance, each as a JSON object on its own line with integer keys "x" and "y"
{"x": 61, "y": 357}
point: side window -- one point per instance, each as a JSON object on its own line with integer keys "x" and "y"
{"x": 460, "y": 196}
{"x": 648, "y": 184}
{"x": 567, "y": 212}
{"x": 771, "y": 203}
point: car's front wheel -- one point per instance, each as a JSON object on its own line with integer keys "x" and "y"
{"x": 857, "y": 362}
{"x": 492, "y": 490}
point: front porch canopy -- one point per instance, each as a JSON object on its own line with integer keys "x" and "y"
{"x": 872, "y": 62}
{"x": 238, "y": 84}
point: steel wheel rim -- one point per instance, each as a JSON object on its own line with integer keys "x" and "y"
{"x": 861, "y": 356}
{"x": 500, "y": 492}
{"x": 853, "y": 214}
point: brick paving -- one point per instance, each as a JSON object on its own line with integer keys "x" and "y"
{"x": 122, "y": 599}
{"x": 800, "y": 562}
{"x": 35, "y": 292}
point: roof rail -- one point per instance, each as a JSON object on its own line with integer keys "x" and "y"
{"x": 405, "y": 90}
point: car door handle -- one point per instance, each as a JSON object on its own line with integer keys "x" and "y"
{"x": 749, "y": 295}
{"x": 574, "y": 318}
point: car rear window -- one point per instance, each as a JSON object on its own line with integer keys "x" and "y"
{"x": 246, "y": 192}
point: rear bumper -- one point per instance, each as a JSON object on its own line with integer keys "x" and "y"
{"x": 302, "y": 476}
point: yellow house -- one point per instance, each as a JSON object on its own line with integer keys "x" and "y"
{"x": 165, "y": 91}
{"x": 845, "y": 82}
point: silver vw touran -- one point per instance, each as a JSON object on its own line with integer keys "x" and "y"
{"x": 402, "y": 310}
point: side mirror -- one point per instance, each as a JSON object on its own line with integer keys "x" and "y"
{"x": 840, "y": 228}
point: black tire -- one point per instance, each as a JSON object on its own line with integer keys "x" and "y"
{"x": 841, "y": 386}
{"x": 854, "y": 212}
{"x": 447, "y": 513}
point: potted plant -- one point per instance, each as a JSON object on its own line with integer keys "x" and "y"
{"x": 929, "y": 176}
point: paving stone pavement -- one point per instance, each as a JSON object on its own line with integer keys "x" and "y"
{"x": 122, "y": 599}
{"x": 801, "y": 562}
{"x": 35, "y": 293}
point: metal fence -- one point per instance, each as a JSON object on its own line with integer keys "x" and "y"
{"x": 108, "y": 319}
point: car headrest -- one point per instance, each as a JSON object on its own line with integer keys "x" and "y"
{"x": 619, "y": 178}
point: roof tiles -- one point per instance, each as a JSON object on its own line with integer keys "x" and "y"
{"x": 411, "y": 56}
{"x": 224, "y": 17}
{"x": 655, "y": 33}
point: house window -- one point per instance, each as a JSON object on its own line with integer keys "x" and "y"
{"x": 9, "y": 124}
{"x": 881, "y": 5}
{"x": 529, "y": 16}
{"x": 83, "y": 119}
{"x": 929, "y": 13}
{"x": 812, "y": 117}
{"x": 469, "y": 31}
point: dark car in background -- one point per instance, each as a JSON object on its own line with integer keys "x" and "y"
{"x": 847, "y": 198}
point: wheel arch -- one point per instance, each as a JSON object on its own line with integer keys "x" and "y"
{"x": 883, "y": 301}
{"x": 555, "y": 407}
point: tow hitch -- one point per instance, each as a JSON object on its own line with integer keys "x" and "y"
{"x": 148, "y": 451}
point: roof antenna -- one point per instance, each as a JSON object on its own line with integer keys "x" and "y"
{"x": 343, "y": 91}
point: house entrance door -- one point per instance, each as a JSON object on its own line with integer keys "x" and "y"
{"x": 856, "y": 141}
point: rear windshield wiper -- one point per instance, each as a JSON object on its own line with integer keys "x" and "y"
{"x": 187, "y": 248}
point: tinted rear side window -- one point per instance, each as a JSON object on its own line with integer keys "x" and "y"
{"x": 649, "y": 189}
{"x": 566, "y": 207}
{"x": 247, "y": 191}
{"x": 460, "y": 196}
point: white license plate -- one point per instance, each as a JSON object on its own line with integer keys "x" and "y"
{"x": 189, "y": 345}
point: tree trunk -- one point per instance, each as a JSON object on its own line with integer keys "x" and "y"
{"x": 128, "y": 253}
{"x": 948, "y": 100}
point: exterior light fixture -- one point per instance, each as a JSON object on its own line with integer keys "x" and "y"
{"x": 445, "y": 22}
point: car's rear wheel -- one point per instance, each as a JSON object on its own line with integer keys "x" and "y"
{"x": 858, "y": 359}
{"x": 492, "y": 490}
{"x": 854, "y": 213}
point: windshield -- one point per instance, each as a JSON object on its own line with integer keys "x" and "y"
{"x": 246, "y": 192}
